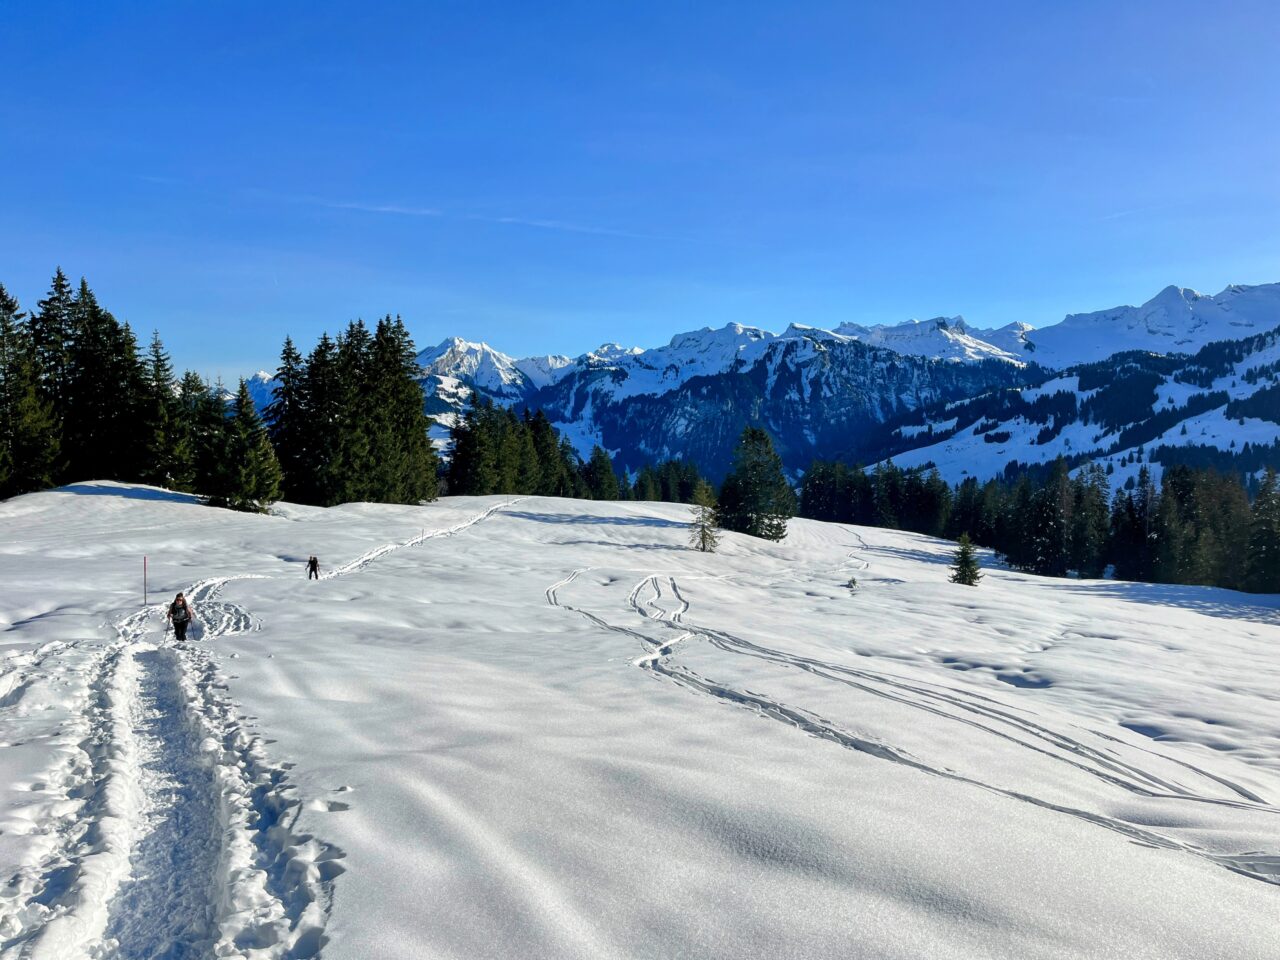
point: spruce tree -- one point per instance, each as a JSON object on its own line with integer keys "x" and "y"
{"x": 355, "y": 468}
{"x": 12, "y": 348}
{"x": 1050, "y": 524}
{"x": 1264, "y": 537}
{"x": 405, "y": 466}
{"x": 555, "y": 479}
{"x": 323, "y": 400}
{"x": 51, "y": 334}
{"x": 572, "y": 466}
{"x": 29, "y": 439}
{"x": 965, "y": 569}
{"x": 818, "y": 496}
{"x": 203, "y": 414}
{"x": 166, "y": 460}
{"x": 886, "y": 485}
{"x": 422, "y": 480}
{"x": 756, "y": 498}
{"x": 379, "y": 420}
{"x": 249, "y": 476}
{"x": 104, "y": 396}
{"x": 601, "y": 482}
{"x": 1090, "y": 521}
{"x": 966, "y": 511}
{"x": 473, "y": 454}
{"x": 528, "y": 465}
{"x": 286, "y": 419}
{"x": 703, "y": 534}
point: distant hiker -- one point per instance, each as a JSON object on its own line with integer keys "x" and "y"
{"x": 313, "y": 568}
{"x": 180, "y": 617}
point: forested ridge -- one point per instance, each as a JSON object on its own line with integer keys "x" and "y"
{"x": 1197, "y": 527}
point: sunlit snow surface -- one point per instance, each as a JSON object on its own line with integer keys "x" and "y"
{"x": 545, "y": 728}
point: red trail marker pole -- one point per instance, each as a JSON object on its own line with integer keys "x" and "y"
{"x": 144, "y": 579}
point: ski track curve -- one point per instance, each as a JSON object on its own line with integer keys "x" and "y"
{"x": 179, "y": 836}
{"x": 653, "y": 594}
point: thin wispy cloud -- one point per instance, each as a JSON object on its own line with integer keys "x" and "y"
{"x": 382, "y": 208}
{"x": 569, "y": 227}
{"x": 536, "y": 223}
{"x": 409, "y": 210}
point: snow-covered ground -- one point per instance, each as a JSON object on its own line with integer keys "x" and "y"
{"x": 544, "y": 728}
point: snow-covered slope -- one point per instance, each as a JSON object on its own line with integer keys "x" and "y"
{"x": 1176, "y": 320}
{"x": 546, "y": 728}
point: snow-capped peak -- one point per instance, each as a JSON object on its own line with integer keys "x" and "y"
{"x": 544, "y": 370}
{"x": 477, "y": 363}
{"x": 1175, "y": 320}
{"x": 947, "y": 338}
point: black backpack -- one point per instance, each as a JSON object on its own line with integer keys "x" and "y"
{"x": 179, "y": 612}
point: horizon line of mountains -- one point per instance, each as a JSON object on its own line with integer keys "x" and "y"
{"x": 866, "y": 393}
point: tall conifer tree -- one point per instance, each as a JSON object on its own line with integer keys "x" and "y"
{"x": 286, "y": 418}
{"x": 1264, "y": 537}
{"x": 756, "y": 498}
{"x": 703, "y": 527}
{"x": 965, "y": 569}
{"x": 28, "y": 430}
{"x": 601, "y": 481}
{"x": 51, "y": 334}
{"x": 249, "y": 476}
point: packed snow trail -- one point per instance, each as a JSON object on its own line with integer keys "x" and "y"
{"x": 649, "y": 600}
{"x": 165, "y": 908}
{"x": 182, "y": 845}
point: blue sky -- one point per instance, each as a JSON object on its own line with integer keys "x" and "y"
{"x": 548, "y": 177}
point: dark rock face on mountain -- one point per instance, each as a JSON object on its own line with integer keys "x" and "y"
{"x": 816, "y": 396}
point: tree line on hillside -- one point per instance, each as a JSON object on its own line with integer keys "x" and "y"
{"x": 347, "y": 423}
{"x": 495, "y": 450}
{"x": 1198, "y": 527}
{"x": 79, "y": 400}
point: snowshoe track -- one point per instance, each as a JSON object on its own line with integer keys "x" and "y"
{"x": 179, "y": 838}
{"x": 362, "y": 561}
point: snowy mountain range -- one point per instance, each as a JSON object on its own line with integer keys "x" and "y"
{"x": 866, "y": 392}
{"x": 1218, "y": 407}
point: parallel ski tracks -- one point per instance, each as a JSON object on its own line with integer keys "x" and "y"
{"x": 658, "y": 600}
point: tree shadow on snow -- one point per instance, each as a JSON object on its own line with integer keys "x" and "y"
{"x": 1210, "y": 601}
{"x": 565, "y": 518}
{"x": 919, "y": 556}
{"x": 127, "y": 492}
{"x": 615, "y": 545}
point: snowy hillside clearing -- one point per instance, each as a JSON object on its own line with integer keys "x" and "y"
{"x": 546, "y": 728}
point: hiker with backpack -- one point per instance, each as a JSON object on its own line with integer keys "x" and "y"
{"x": 180, "y": 616}
{"x": 313, "y": 568}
